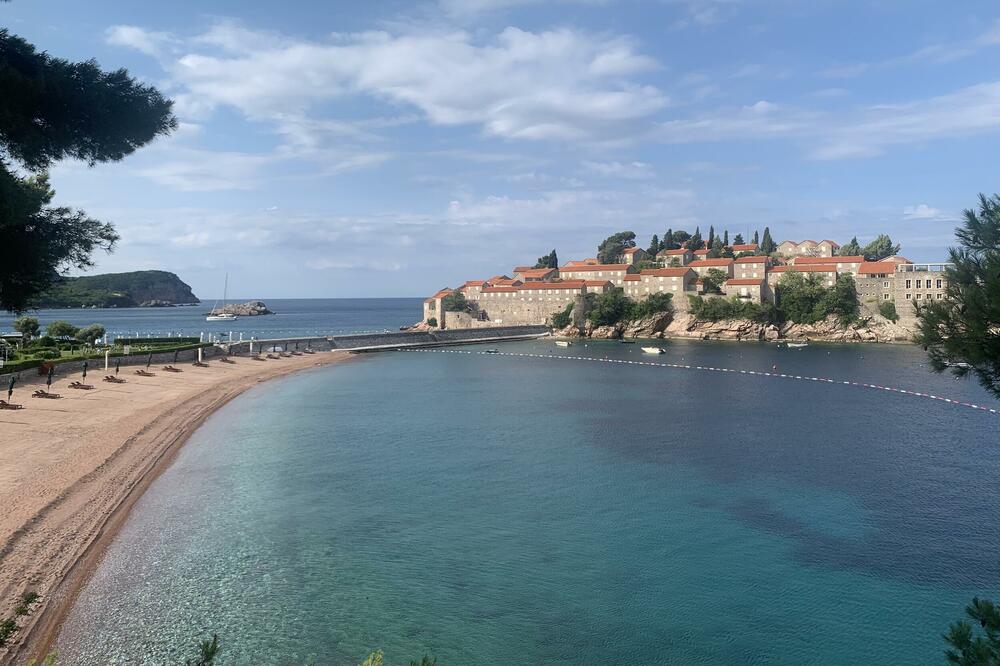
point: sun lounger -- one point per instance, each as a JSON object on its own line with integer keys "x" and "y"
{"x": 226, "y": 360}
{"x": 170, "y": 368}
{"x": 258, "y": 358}
{"x": 114, "y": 380}
{"x": 80, "y": 385}
{"x": 272, "y": 356}
{"x": 44, "y": 394}
{"x": 145, "y": 373}
{"x": 9, "y": 405}
{"x": 199, "y": 364}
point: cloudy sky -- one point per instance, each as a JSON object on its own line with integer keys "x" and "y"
{"x": 392, "y": 148}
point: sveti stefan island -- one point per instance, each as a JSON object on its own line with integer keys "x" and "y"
{"x": 482, "y": 332}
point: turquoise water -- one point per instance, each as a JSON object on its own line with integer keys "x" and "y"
{"x": 293, "y": 316}
{"x": 498, "y": 510}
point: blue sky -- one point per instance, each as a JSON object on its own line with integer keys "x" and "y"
{"x": 390, "y": 149}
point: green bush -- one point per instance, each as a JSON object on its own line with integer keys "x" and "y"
{"x": 563, "y": 318}
{"x": 609, "y": 308}
{"x": 47, "y": 353}
{"x": 432, "y": 321}
{"x": 652, "y": 305}
{"x": 888, "y": 310}
{"x": 719, "y": 309}
{"x": 804, "y": 300}
{"x": 455, "y": 302}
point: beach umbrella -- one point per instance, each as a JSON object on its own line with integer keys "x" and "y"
{"x": 48, "y": 379}
{"x": 175, "y": 355}
{"x": 10, "y": 387}
{"x": 118, "y": 364}
{"x": 85, "y": 371}
{"x": 149, "y": 360}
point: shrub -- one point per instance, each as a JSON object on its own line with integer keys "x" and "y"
{"x": 609, "y": 308}
{"x": 804, "y": 300}
{"x": 455, "y": 302}
{"x": 432, "y": 321}
{"x": 48, "y": 353}
{"x": 718, "y": 309}
{"x": 652, "y": 305}
{"x": 61, "y": 329}
{"x": 888, "y": 310}
{"x": 714, "y": 279}
{"x": 563, "y": 318}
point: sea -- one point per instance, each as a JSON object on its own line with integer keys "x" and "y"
{"x": 550, "y": 505}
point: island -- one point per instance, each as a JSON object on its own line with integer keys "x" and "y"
{"x": 118, "y": 290}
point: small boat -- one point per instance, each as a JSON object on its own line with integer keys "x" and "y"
{"x": 563, "y": 343}
{"x": 221, "y": 315}
{"x": 492, "y": 351}
{"x": 653, "y": 350}
{"x": 796, "y": 345}
{"x": 626, "y": 342}
{"x": 957, "y": 364}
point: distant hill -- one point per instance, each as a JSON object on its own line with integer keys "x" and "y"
{"x": 118, "y": 290}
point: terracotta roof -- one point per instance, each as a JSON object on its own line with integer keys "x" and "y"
{"x": 896, "y": 259}
{"x": 494, "y": 290}
{"x": 666, "y": 272}
{"x": 598, "y": 283}
{"x": 701, "y": 252}
{"x": 583, "y": 262}
{"x": 536, "y": 272}
{"x": 828, "y": 260}
{"x": 633, "y": 250}
{"x": 744, "y": 282}
{"x": 674, "y": 252}
{"x": 521, "y": 269}
{"x": 833, "y": 243}
{"x": 805, "y": 268}
{"x": 597, "y": 267}
{"x": 875, "y": 267}
{"x": 745, "y": 247}
{"x": 498, "y": 277}
{"x": 633, "y": 277}
{"x": 439, "y": 294}
{"x": 722, "y": 261}
{"x": 506, "y": 282}
{"x": 475, "y": 283}
{"x": 567, "y": 284}
{"x": 753, "y": 260}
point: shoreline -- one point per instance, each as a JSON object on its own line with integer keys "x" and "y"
{"x": 59, "y": 539}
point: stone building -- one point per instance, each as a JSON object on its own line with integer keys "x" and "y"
{"x": 535, "y": 274}
{"x": 751, "y": 268}
{"x": 673, "y": 281}
{"x": 633, "y": 255}
{"x": 614, "y": 272}
{"x": 842, "y": 264}
{"x": 433, "y": 309}
{"x": 702, "y": 266}
{"x": 874, "y": 281}
{"x": 807, "y": 248}
{"x": 744, "y": 247}
{"x": 682, "y": 255}
{"x": 748, "y": 289}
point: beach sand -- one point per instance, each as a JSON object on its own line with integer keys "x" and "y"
{"x": 70, "y": 470}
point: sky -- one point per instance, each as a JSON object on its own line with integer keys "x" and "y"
{"x": 334, "y": 149}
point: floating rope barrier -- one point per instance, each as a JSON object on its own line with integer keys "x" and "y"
{"x": 708, "y": 368}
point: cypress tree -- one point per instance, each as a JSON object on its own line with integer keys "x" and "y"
{"x": 767, "y": 245}
{"x": 711, "y": 235}
{"x": 667, "y": 242}
{"x": 654, "y": 246}
{"x": 725, "y": 238}
{"x": 756, "y": 239}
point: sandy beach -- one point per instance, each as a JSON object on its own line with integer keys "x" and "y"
{"x": 70, "y": 470}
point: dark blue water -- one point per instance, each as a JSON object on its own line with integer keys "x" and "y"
{"x": 294, "y": 317}
{"x": 497, "y": 510}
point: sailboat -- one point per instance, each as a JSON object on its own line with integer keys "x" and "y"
{"x": 221, "y": 316}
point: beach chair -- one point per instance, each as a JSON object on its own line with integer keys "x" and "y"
{"x": 226, "y": 360}
{"x": 170, "y": 368}
{"x": 9, "y": 405}
{"x": 145, "y": 373}
{"x": 113, "y": 380}
{"x": 41, "y": 393}
{"x": 80, "y": 385}
{"x": 259, "y": 357}
{"x": 273, "y": 357}
{"x": 199, "y": 364}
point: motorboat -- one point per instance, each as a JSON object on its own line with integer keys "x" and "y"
{"x": 563, "y": 343}
{"x": 653, "y": 350}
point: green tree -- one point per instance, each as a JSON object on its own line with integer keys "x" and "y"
{"x": 680, "y": 237}
{"x": 714, "y": 279}
{"x": 611, "y": 248}
{"x": 455, "y": 302}
{"x": 61, "y": 329}
{"x": 725, "y": 238}
{"x": 90, "y": 334}
{"x": 841, "y": 300}
{"x": 654, "y": 246}
{"x": 798, "y": 296}
{"x": 563, "y": 318}
{"x": 695, "y": 242}
{"x": 756, "y": 239}
{"x": 880, "y": 248}
{"x": 964, "y": 326}
{"x": 667, "y": 242}
{"x": 711, "y": 235}
{"x": 27, "y": 326}
{"x": 609, "y": 308}
{"x": 851, "y": 249}
{"x": 888, "y": 310}
{"x": 51, "y": 110}
{"x": 767, "y": 245}
{"x": 652, "y": 304}
{"x": 972, "y": 648}
{"x": 738, "y": 240}
{"x": 716, "y": 249}
{"x": 549, "y": 260}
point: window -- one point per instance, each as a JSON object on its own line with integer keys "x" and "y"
{"x": 918, "y": 297}
{"x": 940, "y": 296}
{"x": 908, "y": 295}
{"x": 885, "y": 285}
{"x": 939, "y": 284}
{"x": 908, "y": 285}
{"x": 885, "y": 297}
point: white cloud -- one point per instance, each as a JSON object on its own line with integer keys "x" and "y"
{"x": 559, "y": 84}
{"x": 633, "y": 170}
{"x": 925, "y": 212}
{"x": 145, "y": 41}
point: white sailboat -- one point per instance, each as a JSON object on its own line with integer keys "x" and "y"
{"x": 221, "y": 316}
{"x": 653, "y": 350}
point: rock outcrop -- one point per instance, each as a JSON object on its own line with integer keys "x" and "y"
{"x": 248, "y": 309}
{"x": 683, "y": 325}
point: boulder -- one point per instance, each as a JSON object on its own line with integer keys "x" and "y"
{"x": 248, "y": 309}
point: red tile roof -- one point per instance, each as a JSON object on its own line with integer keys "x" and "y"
{"x": 506, "y": 282}
{"x": 521, "y": 269}
{"x": 536, "y": 272}
{"x": 828, "y": 260}
{"x": 753, "y": 260}
{"x": 675, "y": 252}
{"x": 439, "y": 294}
{"x": 876, "y": 267}
{"x": 597, "y": 267}
{"x": 701, "y": 253}
{"x": 722, "y": 261}
{"x": 633, "y": 277}
{"x": 583, "y": 262}
{"x": 598, "y": 283}
{"x": 475, "y": 283}
{"x": 746, "y": 247}
{"x": 633, "y": 250}
{"x": 494, "y": 290}
{"x": 498, "y": 277}
{"x": 744, "y": 282}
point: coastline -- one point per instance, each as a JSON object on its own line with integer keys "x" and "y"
{"x": 66, "y": 506}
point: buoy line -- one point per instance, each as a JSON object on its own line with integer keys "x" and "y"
{"x": 758, "y": 373}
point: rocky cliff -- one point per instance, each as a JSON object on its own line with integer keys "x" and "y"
{"x": 683, "y": 325}
{"x": 248, "y": 309}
